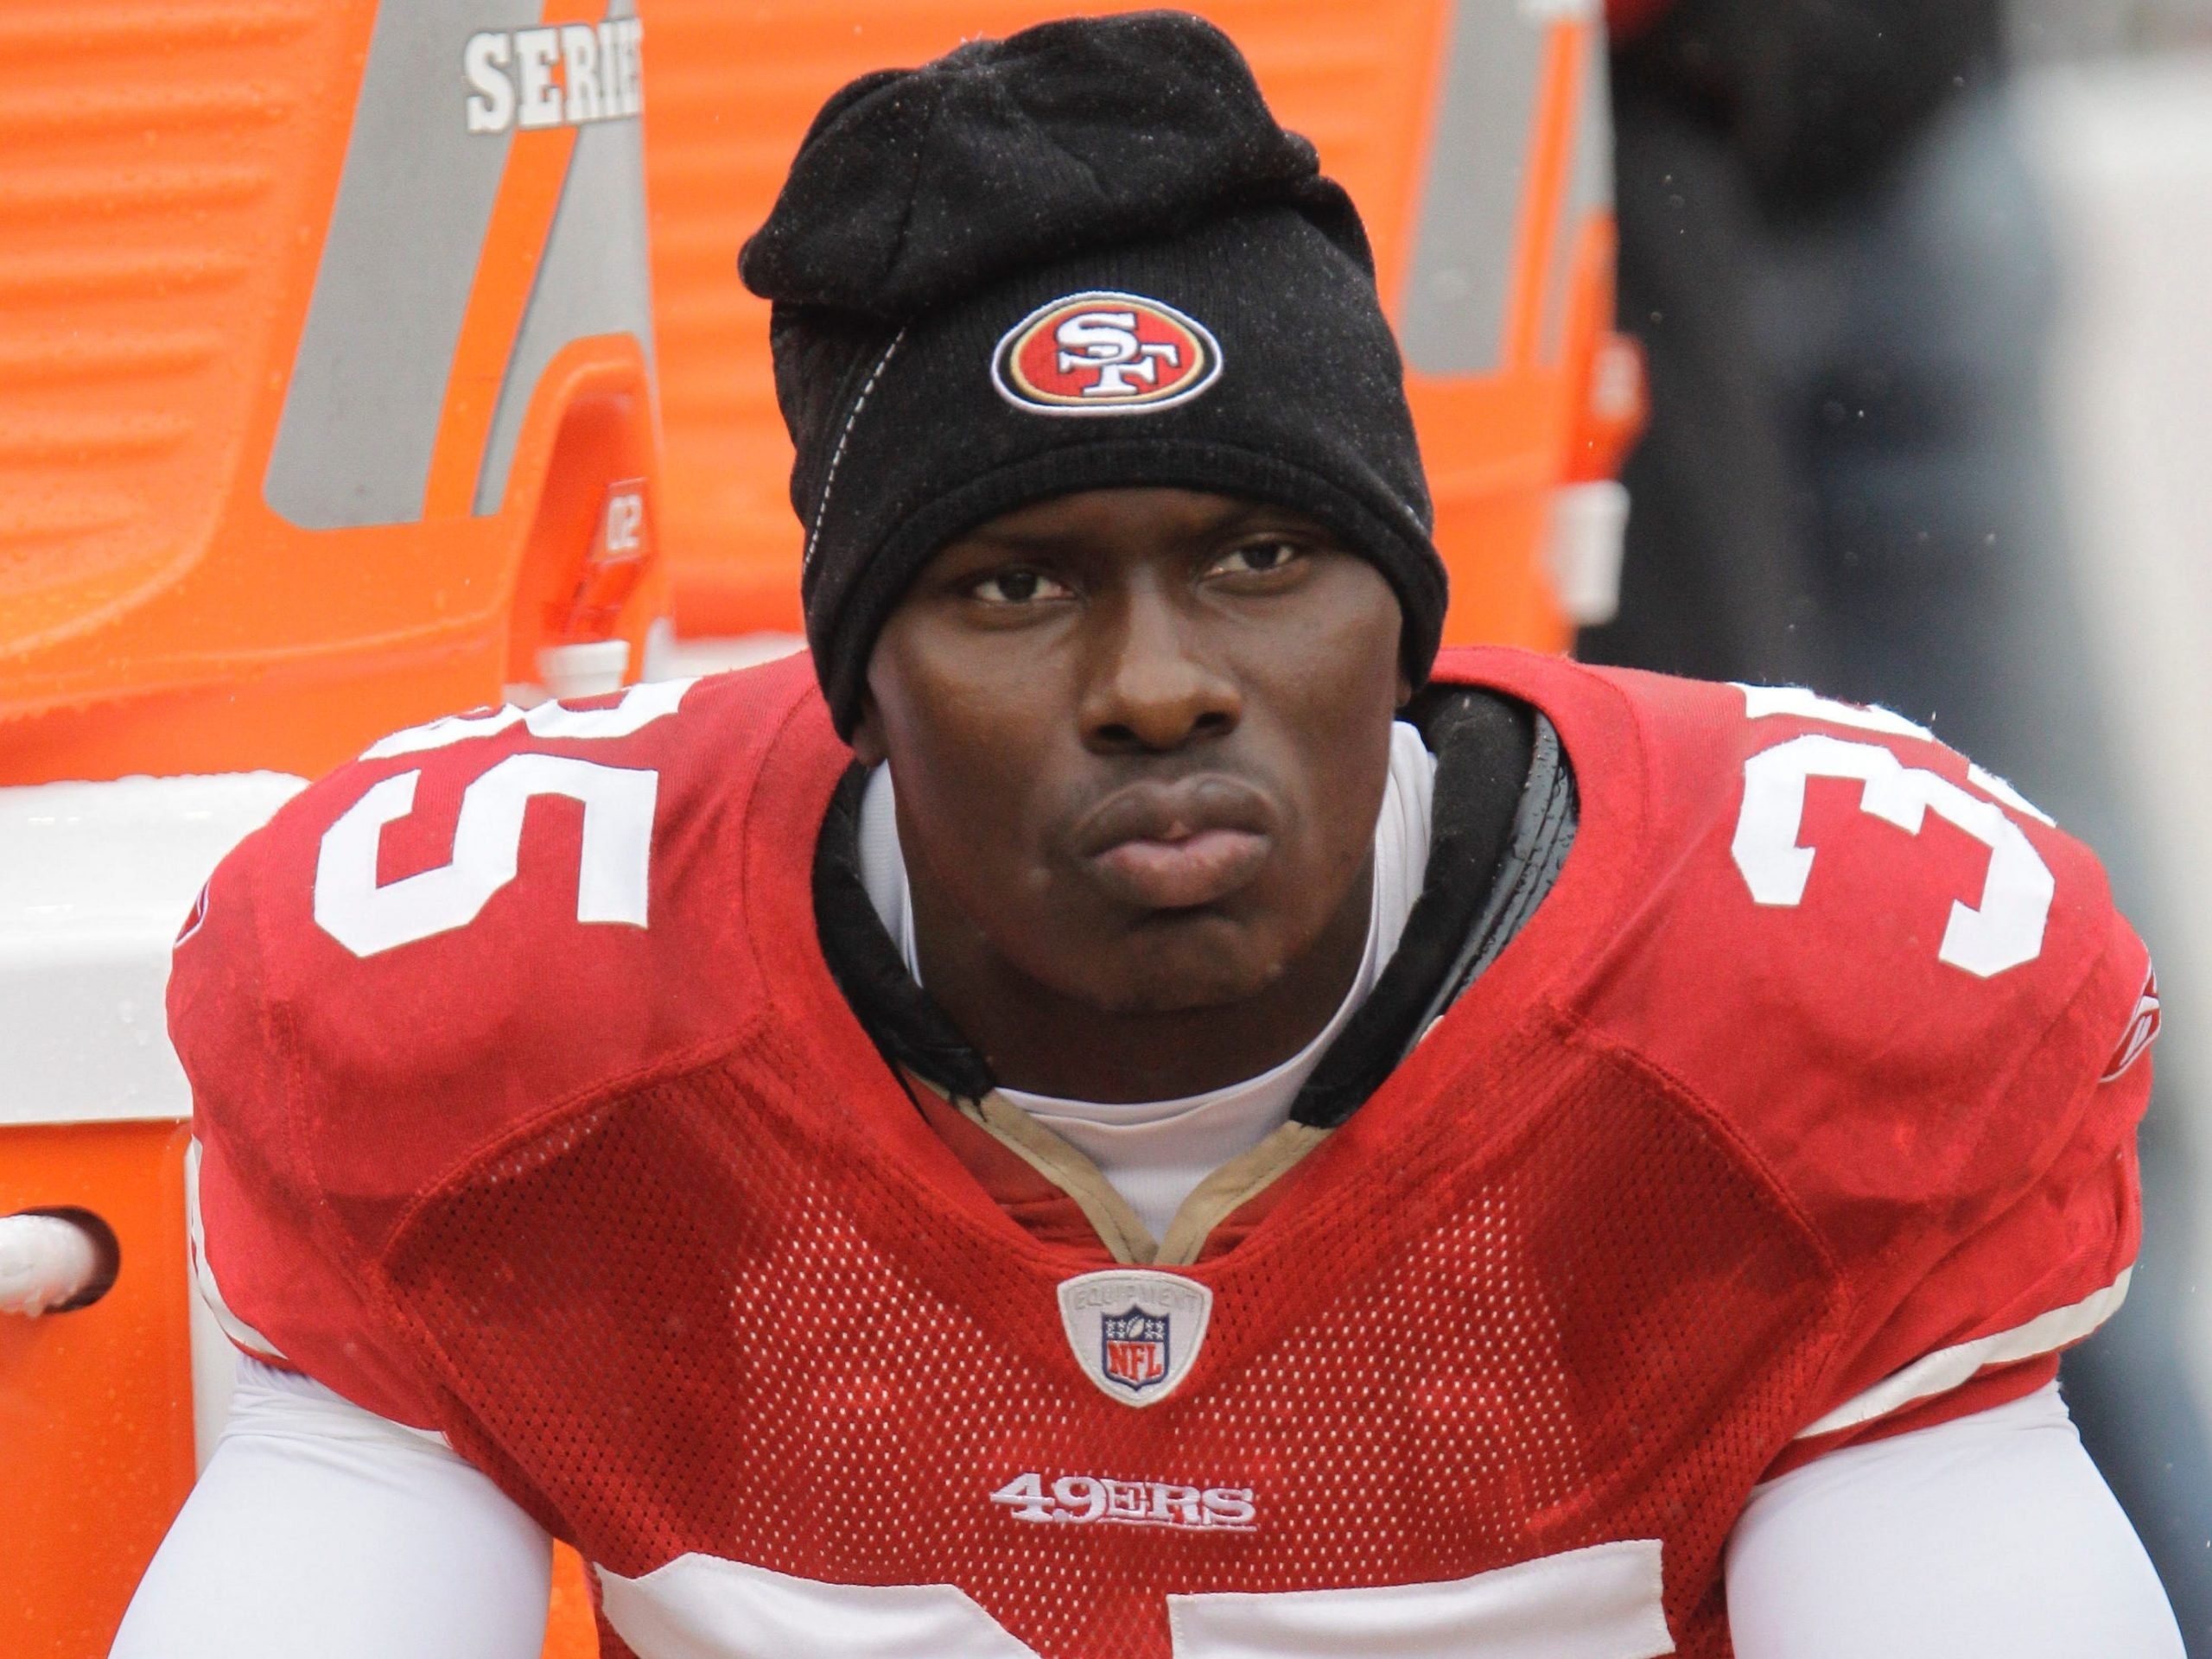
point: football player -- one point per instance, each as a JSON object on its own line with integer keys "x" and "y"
{"x": 1126, "y": 1105}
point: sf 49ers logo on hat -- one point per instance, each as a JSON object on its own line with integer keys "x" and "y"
{"x": 1104, "y": 352}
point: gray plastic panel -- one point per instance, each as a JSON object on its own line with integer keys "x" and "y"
{"x": 1461, "y": 275}
{"x": 594, "y": 279}
{"x": 360, "y": 418}
{"x": 1589, "y": 184}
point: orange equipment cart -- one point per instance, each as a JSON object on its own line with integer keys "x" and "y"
{"x": 326, "y": 407}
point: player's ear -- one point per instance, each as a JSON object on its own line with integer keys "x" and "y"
{"x": 867, "y": 732}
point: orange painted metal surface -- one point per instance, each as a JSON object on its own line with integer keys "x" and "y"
{"x": 732, "y": 88}
{"x": 167, "y": 175}
{"x": 529, "y": 196}
{"x": 174, "y": 181}
{"x": 95, "y": 1405}
{"x": 570, "y": 1631}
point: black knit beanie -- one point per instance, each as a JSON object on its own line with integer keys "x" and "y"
{"x": 1081, "y": 257}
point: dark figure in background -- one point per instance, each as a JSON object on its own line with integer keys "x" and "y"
{"x": 1836, "y": 261}
{"x": 1756, "y": 137}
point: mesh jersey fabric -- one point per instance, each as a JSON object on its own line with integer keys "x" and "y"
{"x": 1680, "y": 1176}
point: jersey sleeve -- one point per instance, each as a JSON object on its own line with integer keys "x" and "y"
{"x": 1981, "y": 1316}
{"x": 1907, "y": 996}
{"x": 283, "y": 1280}
{"x": 479, "y": 922}
{"x": 2024, "y": 1240}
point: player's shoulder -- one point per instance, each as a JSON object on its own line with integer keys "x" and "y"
{"x": 1804, "y": 833}
{"x": 1855, "y": 942}
{"x": 1815, "y": 910}
{"x": 495, "y": 913}
{"x": 1883, "y": 984}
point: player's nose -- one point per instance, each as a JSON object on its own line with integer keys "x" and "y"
{"x": 1152, "y": 685}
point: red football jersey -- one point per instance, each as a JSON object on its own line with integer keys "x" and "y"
{"x": 1801, "y": 1110}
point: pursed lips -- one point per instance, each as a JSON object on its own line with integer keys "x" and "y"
{"x": 1174, "y": 845}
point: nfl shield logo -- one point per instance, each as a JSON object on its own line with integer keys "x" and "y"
{"x": 1133, "y": 1347}
{"x": 1136, "y": 1332}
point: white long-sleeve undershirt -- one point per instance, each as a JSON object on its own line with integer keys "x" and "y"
{"x": 320, "y": 1529}
{"x": 1990, "y": 1535}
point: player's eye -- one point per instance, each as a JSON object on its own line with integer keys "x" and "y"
{"x": 1260, "y": 557}
{"x": 1017, "y": 587}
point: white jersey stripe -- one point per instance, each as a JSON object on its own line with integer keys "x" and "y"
{"x": 1948, "y": 1368}
{"x": 1604, "y": 1602}
{"x": 242, "y": 1335}
{"x": 704, "y": 1607}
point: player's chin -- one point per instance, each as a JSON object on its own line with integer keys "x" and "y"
{"x": 1181, "y": 961}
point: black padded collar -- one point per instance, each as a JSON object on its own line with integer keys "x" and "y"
{"x": 1504, "y": 819}
{"x": 907, "y": 1025}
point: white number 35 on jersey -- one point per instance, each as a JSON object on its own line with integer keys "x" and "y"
{"x": 1600, "y": 1603}
{"x": 2003, "y": 930}
{"x": 613, "y": 875}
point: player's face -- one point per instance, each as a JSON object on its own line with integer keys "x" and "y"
{"x": 1140, "y": 737}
